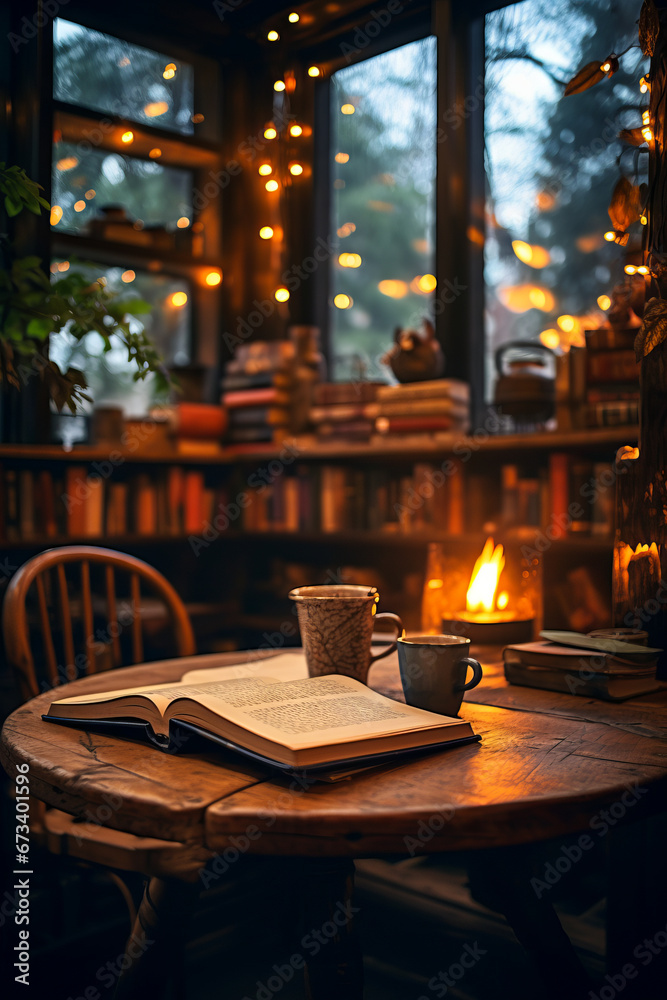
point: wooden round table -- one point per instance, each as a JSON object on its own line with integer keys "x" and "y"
{"x": 548, "y": 765}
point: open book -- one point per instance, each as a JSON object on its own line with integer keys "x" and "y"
{"x": 270, "y": 711}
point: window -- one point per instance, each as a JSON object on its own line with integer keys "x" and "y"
{"x": 126, "y": 162}
{"x": 552, "y": 163}
{"x": 383, "y": 114}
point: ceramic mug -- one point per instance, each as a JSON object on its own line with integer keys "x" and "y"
{"x": 433, "y": 672}
{"x": 336, "y": 624}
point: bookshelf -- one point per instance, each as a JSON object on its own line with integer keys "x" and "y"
{"x": 290, "y": 531}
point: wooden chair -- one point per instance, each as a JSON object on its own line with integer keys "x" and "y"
{"x": 77, "y": 610}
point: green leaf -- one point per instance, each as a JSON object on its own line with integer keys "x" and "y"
{"x": 136, "y": 307}
{"x": 39, "y": 328}
{"x": 12, "y": 206}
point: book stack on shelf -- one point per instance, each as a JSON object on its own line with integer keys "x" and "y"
{"x": 344, "y": 411}
{"x": 612, "y": 378}
{"x": 581, "y": 496}
{"x": 418, "y": 408}
{"x": 266, "y": 392}
{"x": 196, "y": 428}
{"x": 84, "y": 502}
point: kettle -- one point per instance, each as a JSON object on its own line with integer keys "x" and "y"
{"x": 526, "y": 384}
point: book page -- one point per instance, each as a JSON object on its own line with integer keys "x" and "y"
{"x": 313, "y": 712}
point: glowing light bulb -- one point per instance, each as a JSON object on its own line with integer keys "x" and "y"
{"x": 605, "y": 67}
{"x": 342, "y": 157}
{"x": 342, "y": 301}
{"x": 266, "y": 232}
{"x": 630, "y": 269}
{"x": 183, "y": 222}
{"x": 604, "y": 302}
{"x": 56, "y": 214}
{"x": 313, "y": 71}
{"x": 169, "y": 74}
{"x": 295, "y": 130}
{"x": 566, "y": 323}
{"x": 213, "y": 278}
{"x": 646, "y": 132}
{"x": 348, "y": 109}
{"x": 279, "y": 85}
{"x": 127, "y": 276}
{"x": 427, "y": 283}
{"x": 642, "y": 269}
{"x": 270, "y": 132}
{"x": 178, "y": 299}
{"x": 271, "y": 185}
{"x": 610, "y": 236}
{"x": 296, "y": 169}
{"x": 643, "y": 220}
{"x": 349, "y": 260}
{"x": 646, "y": 118}
{"x": 79, "y": 206}
{"x": 644, "y": 84}
{"x": 281, "y": 294}
{"x": 293, "y": 17}
{"x": 127, "y": 137}
{"x": 273, "y": 36}
{"x": 155, "y": 152}
{"x": 265, "y": 169}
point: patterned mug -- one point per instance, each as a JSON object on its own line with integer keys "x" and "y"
{"x": 336, "y": 624}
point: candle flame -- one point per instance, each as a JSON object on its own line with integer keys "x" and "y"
{"x": 484, "y": 580}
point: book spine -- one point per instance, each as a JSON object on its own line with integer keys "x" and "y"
{"x": 258, "y": 416}
{"x": 199, "y": 420}
{"x": 254, "y": 397}
{"x": 413, "y": 425}
{"x": 611, "y": 366}
{"x": 559, "y": 490}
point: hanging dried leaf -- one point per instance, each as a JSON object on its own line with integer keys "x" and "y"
{"x": 588, "y": 76}
{"x": 626, "y": 205}
{"x": 632, "y": 135}
{"x": 621, "y": 238}
{"x": 649, "y": 26}
{"x": 653, "y": 330}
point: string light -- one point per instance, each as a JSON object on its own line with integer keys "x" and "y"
{"x": 646, "y": 132}
{"x": 644, "y": 85}
{"x": 427, "y": 283}
{"x": 349, "y": 260}
{"x": 169, "y": 71}
{"x": 265, "y": 169}
{"x": 127, "y": 276}
{"x": 279, "y": 85}
{"x": 271, "y": 185}
{"x": 348, "y": 109}
{"x": 266, "y": 232}
{"x": 293, "y": 17}
{"x": 630, "y": 269}
{"x": 183, "y": 222}
{"x": 281, "y": 294}
{"x": 605, "y": 67}
{"x": 610, "y": 236}
{"x": 79, "y": 206}
{"x": 643, "y": 220}
{"x": 646, "y": 117}
{"x": 296, "y": 169}
{"x": 342, "y": 157}
{"x": 313, "y": 71}
{"x": 273, "y": 36}
{"x": 604, "y": 302}
{"x": 127, "y": 137}
{"x": 642, "y": 269}
{"x": 213, "y": 278}
{"x": 270, "y": 132}
{"x": 178, "y": 299}
{"x": 295, "y": 130}
{"x": 342, "y": 301}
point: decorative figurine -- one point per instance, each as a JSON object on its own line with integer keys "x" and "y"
{"x": 415, "y": 356}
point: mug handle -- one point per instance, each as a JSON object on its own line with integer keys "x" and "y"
{"x": 388, "y": 616}
{"x": 476, "y": 674}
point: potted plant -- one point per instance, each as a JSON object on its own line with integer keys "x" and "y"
{"x": 33, "y": 307}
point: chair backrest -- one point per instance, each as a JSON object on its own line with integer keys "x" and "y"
{"x": 78, "y": 609}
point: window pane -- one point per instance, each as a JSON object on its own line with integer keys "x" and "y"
{"x": 168, "y": 324}
{"x": 106, "y": 74}
{"x": 552, "y": 163}
{"x": 383, "y": 203}
{"x": 84, "y": 183}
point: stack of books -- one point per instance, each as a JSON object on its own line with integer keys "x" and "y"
{"x": 579, "y": 664}
{"x": 196, "y": 428}
{"x": 612, "y": 379}
{"x": 344, "y": 410}
{"x": 259, "y": 393}
{"x": 433, "y": 407}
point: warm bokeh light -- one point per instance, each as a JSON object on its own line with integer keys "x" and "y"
{"x": 270, "y": 132}
{"x": 63, "y": 265}
{"x": 550, "y": 338}
{"x": 604, "y": 302}
{"x": 393, "y": 288}
{"x": 295, "y": 130}
{"x": 342, "y": 157}
{"x": 484, "y": 579}
{"x": 643, "y": 85}
{"x": 545, "y": 201}
{"x": 213, "y": 278}
{"x": 273, "y": 36}
{"x": 183, "y": 222}
{"x": 642, "y": 269}
{"x": 265, "y": 169}
{"x": 296, "y": 169}
{"x": 56, "y": 215}
{"x": 566, "y": 323}
{"x": 349, "y": 260}
{"x": 79, "y": 205}
{"x": 427, "y": 283}
{"x": 67, "y": 163}
{"x": 90, "y": 194}
{"x": 197, "y": 119}
{"x": 170, "y": 67}
{"x": 127, "y": 137}
{"x": 127, "y": 276}
{"x": 610, "y": 236}
{"x": 534, "y": 256}
{"x": 521, "y": 298}
{"x": 348, "y": 109}
{"x": 271, "y": 185}
{"x": 279, "y": 85}
{"x": 155, "y": 109}
{"x": 281, "y": 294}
{"x": 313, "y": 71}
{"x": 266, "y": 232}
{"x": 155, "y": 152}
{"x": 178, "y": 299}
{"x": 123, "y": 62}
{"x": 605, "y": 67}
{"x": 630, "y": 269}
{"x": 346, "y": 229}
{"x": 293, "y": 17}
{"x": 643, "y": 220}
{"x": 169, "y": 74}
{"x": 503, "y": 600}
{"x": 342, "y": 301}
